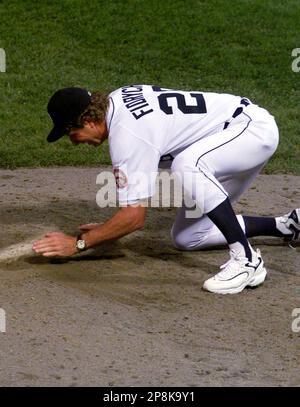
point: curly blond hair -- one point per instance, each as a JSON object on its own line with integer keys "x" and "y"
{"x": 96, "y": 110}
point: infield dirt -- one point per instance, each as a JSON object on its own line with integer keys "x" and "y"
{"x": 132, "y": 312}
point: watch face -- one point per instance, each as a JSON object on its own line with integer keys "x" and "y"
{"x": 81, "y": 244}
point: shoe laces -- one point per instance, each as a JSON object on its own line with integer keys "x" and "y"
{"x": 233, "y": 265}
{"x": 295, "y": 234}
{"x": 284, "y": 218}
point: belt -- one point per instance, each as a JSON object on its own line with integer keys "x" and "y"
{"x": 237, "y": 111}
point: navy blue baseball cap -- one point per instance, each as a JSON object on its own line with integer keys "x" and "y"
{"x": 64, "y": 108}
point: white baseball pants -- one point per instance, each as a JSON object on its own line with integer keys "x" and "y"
{"x": 223, "y": 164}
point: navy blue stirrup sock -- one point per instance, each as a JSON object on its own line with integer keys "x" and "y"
{"x": 261, "y": 226}
{"x": 224, "y": 218}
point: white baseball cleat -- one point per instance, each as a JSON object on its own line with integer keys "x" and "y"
{"x": 237, "y": 274}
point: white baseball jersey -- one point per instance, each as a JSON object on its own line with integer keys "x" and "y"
{"x": 147, "y": 123}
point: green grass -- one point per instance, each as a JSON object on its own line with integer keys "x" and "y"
{"x": 241, "y": 47}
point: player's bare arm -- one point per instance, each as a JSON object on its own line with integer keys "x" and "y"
{"x": 127, "y": 220}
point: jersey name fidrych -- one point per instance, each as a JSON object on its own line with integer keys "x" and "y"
{"x": 135, "y": 101}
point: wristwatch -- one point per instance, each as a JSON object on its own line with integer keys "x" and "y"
{"x": 80, "y": 244}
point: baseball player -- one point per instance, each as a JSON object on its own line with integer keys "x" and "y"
{"x": 219, "y": 141}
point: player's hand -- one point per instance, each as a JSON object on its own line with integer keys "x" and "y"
{"x": 88, "y": 226}
{"x": 56, "y": 244}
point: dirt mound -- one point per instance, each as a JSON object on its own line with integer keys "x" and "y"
{"x": 132, "y": 313}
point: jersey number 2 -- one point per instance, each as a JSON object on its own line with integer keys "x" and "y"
{"x": 200, "y": 108}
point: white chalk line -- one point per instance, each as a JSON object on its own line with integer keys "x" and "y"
{"x": 17, "y": 250}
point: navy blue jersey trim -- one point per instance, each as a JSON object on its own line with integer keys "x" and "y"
{"x": 214, "y": 183}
